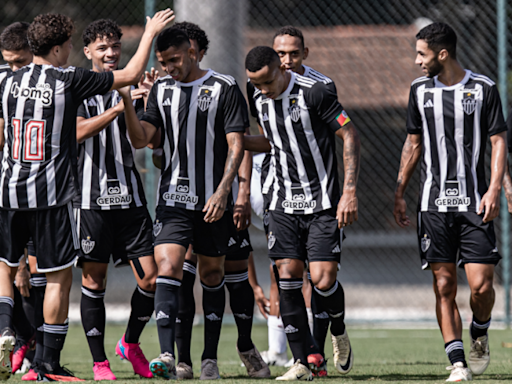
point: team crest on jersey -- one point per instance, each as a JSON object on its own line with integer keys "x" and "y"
{"x": 266, "y": 218}
{"x": 271, "y": 240}
{"x": 294, "y": 110}
{"x": 157, "y": 228}
{"x": 468, "y": 103}
{"x": 205, "y": 98}
{"x": 42, "y": 92}
{"x": 88, "y": 245}
{"x": 425, "y": 243}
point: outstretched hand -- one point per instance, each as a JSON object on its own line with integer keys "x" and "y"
{"x": 156, "y": 24}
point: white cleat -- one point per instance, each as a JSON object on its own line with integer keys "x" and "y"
{"x": 6, "y": 347}
{"x": 254, "y": 364}
{"x": 479, "y": 356}
{"x": 343, "y": 355}
{"x": 289, "y": 363}
{"x": 459, "y": 372}
{"x": 273, "y": 358}
{"x": 298, "y": 371}
{"x": 163, "y": 366}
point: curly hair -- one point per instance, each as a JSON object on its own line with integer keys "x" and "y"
{"x": 14, "y": 37}
{"x": 47, "y": 31}
{"x": 194, "y": 32}
{"x": 99, "y": 29}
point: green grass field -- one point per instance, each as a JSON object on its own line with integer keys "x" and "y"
{"x": 401, "y": 356}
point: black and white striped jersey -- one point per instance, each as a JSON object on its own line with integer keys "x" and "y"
{"x": 107, "y": 174}
{"x": 297, "y": 124}
{"x": 4, "y": 71}
{"x": 195, "y": 118}
{"x": 455, "y": 123}
{"x": 38, "y": 104}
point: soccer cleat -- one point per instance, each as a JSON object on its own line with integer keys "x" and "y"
{"x": 184, "y": 371}
{"x": 133, "y": 353}
{"x": 7, "y": 341}
{"x": 102, "y": 371}
{"x": 459, "y": 372}
{"x": 273, "y": 358}
{"x": 163, "y": 366}
{"x": 343, "y": 355}
{"x": 298, "y": 371}
{"x": 318, "y": 365}
{"x": 254, "y": 364}
{"x": 31, "y": 375}
{"x": 209, "y": 370}
{"x": 56, "y": 374}
{"x": 20, "y": 350}
{"x": 479, "y": 356}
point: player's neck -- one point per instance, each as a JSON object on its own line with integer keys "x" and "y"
{"x": 301, "y": 70}
{"x": 45, "y": 60}
{"x": 195, "y": 74}
{"x": 452, "y": 74}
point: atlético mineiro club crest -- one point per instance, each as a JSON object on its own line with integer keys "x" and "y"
{"x": 425, "y": 243}
{"x": 205, "y": 98}
{"x": 468, "y": 103}
{"x": 157, "y": 228}
{"x": 294, "y": 110}
{"x": 88, "y": 245}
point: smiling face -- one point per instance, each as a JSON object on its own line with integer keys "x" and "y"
{"x": 428, "y": 60}
{"x": 178, "y": 61}
{"x": 291, "y": 52}
{"x": 105, "y": 53}
{"x": 17, "y": 59}
{"x": 271, "y": 80}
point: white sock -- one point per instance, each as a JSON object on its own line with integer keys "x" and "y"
{"x": 310, "y": 319}
{"x": 276, "y": 336}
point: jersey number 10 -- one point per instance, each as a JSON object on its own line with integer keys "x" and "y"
{"x": 31, "y": 143}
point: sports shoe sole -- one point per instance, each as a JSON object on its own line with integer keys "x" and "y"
{"x": 159, "y": 369}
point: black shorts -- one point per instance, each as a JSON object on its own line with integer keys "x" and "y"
{"x": 123, "y": 233}
{"x": 184, "y": 227}
{"x": 444, "y": 236}
{"x": 242, "y": 249}
{"x": 314, "y": 237}
{"x": 53, "y": 231}
{"x": 31, "y": 250}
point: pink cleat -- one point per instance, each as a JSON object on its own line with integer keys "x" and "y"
{"x": 102, "y": 371}
{"x": 20, "y": 350}
{"x": 133, "y": 353}
{"x": 31, "y": 375}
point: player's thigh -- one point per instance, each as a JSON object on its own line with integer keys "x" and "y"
{"x": 13, "y": 227}
{"x": 323, "y": 241}
{"x": 480, "y": 278}
{"x": 145, "y": 271}
{"x": 169, "y": 258}
{"x": 438, "y": 238}
{"x": 190, "y": 255}
{"x": 214, "y": 239}
{"x": 477, "y": 240}
{"x": 285, "y": 237}
{"x": 94, "y": 274}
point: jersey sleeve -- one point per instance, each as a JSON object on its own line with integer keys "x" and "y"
{"x": 236, "y": 117}
{"x": 82, "y": 111}
{"x": 139, "y": 107}
{"x": 87, "y": 83}
{"x": 152, "y": 114}
{"x": 414, "y": 123}
{"x": 329, "y": 109}
{"x": 494, "y": 112}
{"x": 252, "y": 104}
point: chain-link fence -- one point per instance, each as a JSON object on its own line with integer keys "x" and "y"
{"x": 368, "y": 48}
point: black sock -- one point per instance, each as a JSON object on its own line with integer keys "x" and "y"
{"x": 295, "y": 318}
{"x": 241, "y": 301}
{"x": 142, "y": 304}
{"x": 166, "y": 310}
{"x": 22, "y": 327}
{"x": 214, "y": 301}
{"x": 29, "y": 306}
{"x": 38, "y": 282}
{"x": 186, "y": 312}
{"x": 333, "y": 301}
{"x": 479, "y": 328}
{"x": 321, "y": 323}
{"x": 92, "y": 311}
{"x": 455, "y": 351}
{"x": 54, "y": 337}
{"x": 6, "y": 310}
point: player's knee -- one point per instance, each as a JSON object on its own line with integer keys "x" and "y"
{"x": 482, "y": 291}
{"x": 148, "y": 283}
{"x": 445, "y": 287}
{"x": 212, "y": 277}
{"x": 325, "y": 283}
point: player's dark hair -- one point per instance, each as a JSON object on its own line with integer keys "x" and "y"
{"x": 292, "y": 31}
{"x": 194, "y": 32}
{"x": 100, "y": 29}
{"x": 47, "y": 31}
{"x": 439, "y": 36}
{"x": 260, "y": 56}
{"x": 170, "y": 37}
{"x": 14, "y": 37}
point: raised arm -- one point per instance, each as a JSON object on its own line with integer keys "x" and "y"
{"x": 216, "y": 204}
{"x": 133, "y": 71}
{"x": 411, "y": 153}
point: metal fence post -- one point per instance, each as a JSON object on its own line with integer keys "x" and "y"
{"x": 502, "y": 85}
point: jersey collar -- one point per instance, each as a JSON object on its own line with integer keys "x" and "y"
{"x": 199, "y": 81}
{"x": 463, "y": 82}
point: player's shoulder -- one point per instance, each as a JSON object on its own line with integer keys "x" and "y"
{"x": 222, "y": 78}
{"x": 305, "y": 82}
{"x": 313, "y": 74}
{"x": 166, "y": 80}
{"x": 4, "y": 68}
{"x": 423, "y": 80}
{"x": 482, "y": 79}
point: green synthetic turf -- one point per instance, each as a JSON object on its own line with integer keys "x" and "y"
{"x": 401, "y": 356}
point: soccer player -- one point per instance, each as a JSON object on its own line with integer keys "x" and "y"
{"x": 451, "y": 113}
{"x": 300, "y": 118}
{"x": 14, "y": 46}
{"x": 202, "y": 117}
{"x": 38, "y": 105}
{"x": 111, "y": 212}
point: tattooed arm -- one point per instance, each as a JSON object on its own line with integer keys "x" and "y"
{"x": 216, "y": 204}
{"x": 507, "y": 186}
{"x": 411, "y": 153}
{"x": 347, "y": 206}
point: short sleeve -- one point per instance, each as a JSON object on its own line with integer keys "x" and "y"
{"x": 250, "y": 94}
{"x": 414, "y": 123}
{"x": 139, "y": 107}
{"x": 152, "y": 114}
{"x": 82, "y": 110}
{"x": 494, "y": 111}
{"x": 326, "y": 103}
{"x": 236, "y": 117}
{"x": 87, "y": 83}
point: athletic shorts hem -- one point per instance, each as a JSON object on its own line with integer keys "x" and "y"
{"x": 141, "y": 254}
{"x": 238, "y": 256}
{"x": 10, "y": 264}
{"x": 461, "y": 263}
{"x": 59, "y": 268}
{"x": 162, "y": 242}
{"x": 283, "y": 256}
{"x": 208, "y": 254}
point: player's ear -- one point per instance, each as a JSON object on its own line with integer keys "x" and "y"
{"x": 87, "y": 53}
{"x": 443, "y": 55}
{"x": 306, "y": 53}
